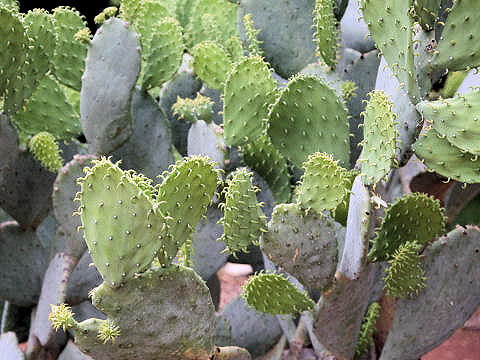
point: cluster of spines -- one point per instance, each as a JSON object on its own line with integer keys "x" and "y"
{"x": 193, "y": 110}
{"x": 272, "y": 293}
{"x": 243, "y": 220}
{"x": 405, "y": 275}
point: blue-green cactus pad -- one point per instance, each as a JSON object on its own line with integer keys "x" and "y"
{"x": 122, "y": 228}
{"x": 111, "y": 72}
{"x": 164, "y": 312}
{"x": 249, "y": 90}
{"x": 304, "y": 245}
{"x": 307, "y": 117}
{"x": 450, "y": 297}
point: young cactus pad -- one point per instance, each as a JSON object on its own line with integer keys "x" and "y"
{"x": 379, "y": 143}
{"x": 272, "y": 293}
{"x": 414, "y": 217}
{"x": 324, "y": 184}
{"x": 183, "y": 197}
{"x": 122, "y": 228}
{"x": 46, "y": 150}
{"x": 243, "y": 219}
{"x": 326, "y": 33}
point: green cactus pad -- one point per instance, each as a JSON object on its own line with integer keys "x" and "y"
{"x": 457, "y": 119}
{"x": 391, "y": 26}
{"x": 183, "y": 11}
{"x": 162, "y": 323}
{"x": 111, "y": 72}
{"x": 183, "y": 197}
{"x": 450, "y": 297}
{"x": 326, "y": 33}
{"x": 193, "y": 110}
{"x": 459, "y": 47}
{"x": 266, "y": 160}
{"x": 163, "y": 53}
{"x": 224, "y": 14}
{"x": 339, "y": 312}
{"x": 13, "y": 43}
{"x": 122, "y": 228}
{"x": 324, "y": 184}
{"x": 249, "y": 90}
{"x": 150, "y": 131}
{"x": 286, "y": 32}
{"x": 427, "y": 11}
{"x": 243, "y": 219}
{"x": 251, "y": 33}
{"x": 305, "y": 246}
{"x": 414, "y": 217}
{"x": 405, "y": 275}
{"x": 441, "y": 156}
{"x": 48, "y": 110}
{"x": 211, "y": 63}
{"x": 64, "y": 191}
{"x": 272, "y": 293}
{"x": 341, "y": 211}
{"x": 46, "y": 150}
{"x": 69, "y": 56}
{"x": 365, "y": 338}
{"x": 40, "y": 31}
{"x": 379, "y": 139}
{"x": 308, "y": 117}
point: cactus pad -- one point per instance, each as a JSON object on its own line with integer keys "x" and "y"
{"x": 324, "y": 184}
{"x": 122, "y": 228}
{"x": 163, "y": 54}
{"x": 449, "y": 298}
{"x": 211, "y": 63}
{"x": 48, "y": 110}
{"x": 272, "y": 293}
{"x": 305, "y": 246}
{"x": 427, "y": 11}
{"x": 243, "y": 219}
{"x": 158, "y": 323}
{"x": 249, "y": 90}
{"x": 46, "y": 150}
{"x": 457, "y": 119}
{"x": 111, "y": 72}
{"x": 308, "y": 117}
{"x": 365, "y": 338}
{"x": 193, "y": 110}
{"x": 459, "y": 47}
{"x": 391, "y": 26}
{"x": 326, "y": 33}
{"x": 69, "y": 56}
{"x": 405, "y": 275}
{"x": 441, "y": 156}
{"x": 183, "y": 197}
{"x": 379, "y": 141}
{"x": 414, "y": 217}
